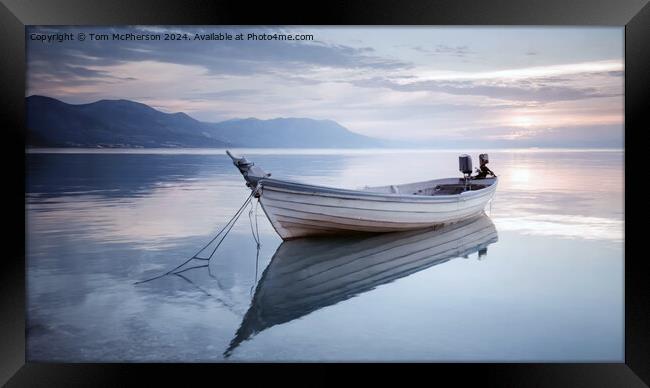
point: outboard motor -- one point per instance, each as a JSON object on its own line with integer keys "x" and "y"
{"x": 465, "y": 164}
{"x": 484, "y": 170}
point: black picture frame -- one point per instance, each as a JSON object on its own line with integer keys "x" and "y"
{"x": 16, "y": 14}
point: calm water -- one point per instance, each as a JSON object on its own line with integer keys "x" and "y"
{"x": 550, "y": 287}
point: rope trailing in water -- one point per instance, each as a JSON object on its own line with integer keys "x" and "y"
{"x": 229, "y": 225}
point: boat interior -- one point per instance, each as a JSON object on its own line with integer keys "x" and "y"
{"x": 449, "y": 186}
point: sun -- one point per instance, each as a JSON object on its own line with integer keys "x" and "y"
{"x": 522, "y": 121}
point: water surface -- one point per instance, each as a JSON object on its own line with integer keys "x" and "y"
{"x": 549, "y": 288}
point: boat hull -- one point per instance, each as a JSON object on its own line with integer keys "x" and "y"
{"x": 298, "y": 210}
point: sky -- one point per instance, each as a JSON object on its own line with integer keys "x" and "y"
{"x": 446, "y": 86}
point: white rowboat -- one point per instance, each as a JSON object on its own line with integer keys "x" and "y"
{"x": 299, "y": 210}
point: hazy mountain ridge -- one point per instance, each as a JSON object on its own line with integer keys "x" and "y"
{"x": 124, "y": 123}
{"x": 291, "y": 132}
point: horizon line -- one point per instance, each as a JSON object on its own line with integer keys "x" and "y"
{"x": 276, "y": 150}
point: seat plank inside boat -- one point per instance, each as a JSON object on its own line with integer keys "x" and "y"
{"x": 431, "y": 188}
{"x": 448, "y": 189}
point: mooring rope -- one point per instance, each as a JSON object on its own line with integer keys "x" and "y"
{"x": 229, "y": 225}
{"x": 252, "y": 216}
{"x": 257, "y": 229}
{"x": 256, "y": 236}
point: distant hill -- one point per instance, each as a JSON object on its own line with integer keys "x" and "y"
{"x": 111, "y": 123}
{"x": 124, "y": 123}
{"x": 291, "y": 132}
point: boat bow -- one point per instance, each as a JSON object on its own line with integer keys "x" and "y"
{"x": 248, "y": 169}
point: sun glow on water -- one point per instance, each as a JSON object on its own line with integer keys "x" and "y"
{"x": 520, "y": 176}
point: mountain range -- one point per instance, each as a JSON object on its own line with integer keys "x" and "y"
{"x": 124, "y": 123}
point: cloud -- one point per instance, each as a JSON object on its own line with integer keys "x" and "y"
{"x": 574, "y": 136}
{"x": 442, "y": 49}
{"x": 218, "y": 57}
{"x": 514, "y": 92}
{"x": 459, "y": 51}
{"x": 229, "y": 93}
{"x": 48, "y": 76}
{"x": 526, "y": 72}
{"x": 537, "y": 89}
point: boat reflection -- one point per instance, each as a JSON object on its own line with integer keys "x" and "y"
{"x": 308, "y": 274}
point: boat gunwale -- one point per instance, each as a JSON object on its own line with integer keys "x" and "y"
{"x": 325, "y": 191}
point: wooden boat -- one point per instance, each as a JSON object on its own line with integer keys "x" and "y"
{"x": 308, "y": 274}
{"x": 298, "y": 210}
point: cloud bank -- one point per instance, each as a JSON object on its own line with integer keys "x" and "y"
{"x": 505, "y": 86}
